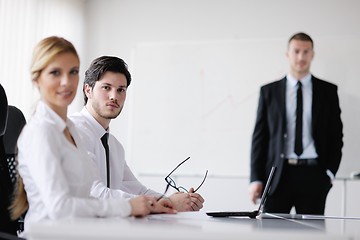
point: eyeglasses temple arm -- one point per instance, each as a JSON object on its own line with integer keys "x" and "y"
{"x": 201, "y": 182}
{"x": 177, "y": 167}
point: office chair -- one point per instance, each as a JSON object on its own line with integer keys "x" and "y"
{"x": 7, "y": 236}
{"x": 15, "y": 123}
{"x": 8, "y": 228}
{"x": 6, "y": 225}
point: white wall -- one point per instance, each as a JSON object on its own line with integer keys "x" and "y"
{"x": 123, "y": 27}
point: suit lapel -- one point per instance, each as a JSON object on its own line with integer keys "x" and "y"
{"x": 280, "y": 97}
{"x": 316, "y": 100}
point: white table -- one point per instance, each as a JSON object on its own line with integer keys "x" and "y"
{"x": 193, "y": 225}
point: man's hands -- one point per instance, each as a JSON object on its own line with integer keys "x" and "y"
{"x": 144, "y": 205}
{"x": 177, "y": 202}
{"x": 255, "y": 190}
{"x": 184, "y": 202}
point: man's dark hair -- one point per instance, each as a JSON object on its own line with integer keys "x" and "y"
{"x": 302, "y": 37}
{"x": 100, "y": 66}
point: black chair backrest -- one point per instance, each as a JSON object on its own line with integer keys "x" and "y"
{"x": 6, "y": 225}
{"x": 16, "y": 122}
{"x": 3, "y": 110}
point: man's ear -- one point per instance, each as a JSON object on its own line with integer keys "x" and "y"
{"x": 87, "y": 90}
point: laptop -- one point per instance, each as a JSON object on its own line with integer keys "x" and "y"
{"x": 252, "y": 214}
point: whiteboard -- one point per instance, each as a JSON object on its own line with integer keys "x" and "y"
{"x": 199, "y": 99}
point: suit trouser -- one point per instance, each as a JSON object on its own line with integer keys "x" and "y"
{"x": 302, "y": 187}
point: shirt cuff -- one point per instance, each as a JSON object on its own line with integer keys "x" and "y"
{"x": 256, "y": 182}
{"x": 330, "y": 174}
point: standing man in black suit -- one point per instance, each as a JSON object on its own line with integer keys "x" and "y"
{"x": 298, "y": 129}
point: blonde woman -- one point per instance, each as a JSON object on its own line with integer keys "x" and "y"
{"x": 57, "y": 173}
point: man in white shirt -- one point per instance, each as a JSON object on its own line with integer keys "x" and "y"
{"x": 105, "y": 85}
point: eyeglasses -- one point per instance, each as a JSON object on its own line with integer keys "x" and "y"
{"x": 172, "y": 183}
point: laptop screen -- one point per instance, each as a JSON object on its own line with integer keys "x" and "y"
{"x": 251, "y": 214}
{"x": 267, "y": 189}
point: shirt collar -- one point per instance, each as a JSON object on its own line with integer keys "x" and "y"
{"x": 305, "y": 81}
{"x": 98, "y": 129}
{"x": 44, "y": 110}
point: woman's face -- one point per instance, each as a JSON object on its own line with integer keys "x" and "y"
{"x": 58, "y": 82}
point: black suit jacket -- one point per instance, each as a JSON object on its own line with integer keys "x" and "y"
{"x": 268, "y": 141}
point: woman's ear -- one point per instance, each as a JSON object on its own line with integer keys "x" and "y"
{"x": 35, "y": 82}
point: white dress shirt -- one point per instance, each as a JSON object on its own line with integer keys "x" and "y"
{"x": 121, "y": 177}
{"x": 308, "y": 141}
{"x": 58, "y": 176}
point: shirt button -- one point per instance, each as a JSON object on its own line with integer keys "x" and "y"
{"x": 285, "y": 135}
{"x": 282, "y": 155}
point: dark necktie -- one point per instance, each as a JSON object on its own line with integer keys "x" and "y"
{"x": 299, "y": 118}
{"x": 104, "y": 140}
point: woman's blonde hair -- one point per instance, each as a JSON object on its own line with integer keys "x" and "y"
{"x": 46, "y": 50}
{"x": 44, "y": 53}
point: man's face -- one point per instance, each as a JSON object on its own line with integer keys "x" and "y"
{"x": 106, "y": 99}
{"x": 300, "y": 54}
